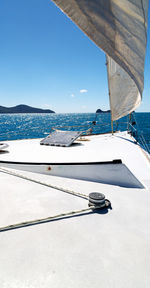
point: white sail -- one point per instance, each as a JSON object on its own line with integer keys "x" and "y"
{"x": 123, "y": 93}
{"x": 119, "y": 27}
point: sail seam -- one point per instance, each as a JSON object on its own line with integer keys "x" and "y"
{"x": 144, "y": 19}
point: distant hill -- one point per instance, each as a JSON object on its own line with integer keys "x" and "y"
{"x": 101, "y": 111}
{"x": 23, "y": 109}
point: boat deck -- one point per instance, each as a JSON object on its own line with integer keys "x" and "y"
{"x": 97, "y": 148}
{"x": 106, "y": 248}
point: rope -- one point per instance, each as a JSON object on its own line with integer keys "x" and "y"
{"x": 43, "y": 220}
{"x": 141, "y": 136}
{"x": 75, "y": 126}
{"x": 4, "y": 170}
{"x": 55, "y": 128}
{"x": 50, "y": 218}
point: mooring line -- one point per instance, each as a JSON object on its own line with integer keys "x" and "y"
{"x": 47, "y": 219}
{"x": 96, "y": 201}
{"x": 4, "y": 170}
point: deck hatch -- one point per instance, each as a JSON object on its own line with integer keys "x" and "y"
{"x": 61, "y": 138}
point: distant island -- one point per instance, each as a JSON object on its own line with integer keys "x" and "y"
{"x": 23, "y": 109}
{"x": 101, "y": 111}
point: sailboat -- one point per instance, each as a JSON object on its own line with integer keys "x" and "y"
{"x": 106, "y": 242}
{"x": 125, "y": 52}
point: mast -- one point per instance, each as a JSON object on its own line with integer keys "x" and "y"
{"x": 107, "y": 64}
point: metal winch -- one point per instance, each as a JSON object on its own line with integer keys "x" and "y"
{"x": 98, "y": 200}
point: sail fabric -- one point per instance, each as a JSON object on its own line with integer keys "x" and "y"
{"x": 119, "y": 28}
{"x": 123, "y": 93}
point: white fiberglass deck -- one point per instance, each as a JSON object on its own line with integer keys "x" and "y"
{"x": 105, "y": 147}
{"x": 105, "y": 249}
{"x": 98, "y": 148}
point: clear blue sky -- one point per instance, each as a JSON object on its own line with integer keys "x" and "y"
{"x": 47, "y": 62}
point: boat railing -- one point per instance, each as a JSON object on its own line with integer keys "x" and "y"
{"x": 94, "y": 127}
{"x": 134, "y": 130}
{"x": 91, "y": 128}
{"x": 86, "y": 129}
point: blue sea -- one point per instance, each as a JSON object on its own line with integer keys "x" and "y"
{"x": 24, "y": 126}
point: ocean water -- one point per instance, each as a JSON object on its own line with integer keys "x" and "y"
{"x": 24, "y": 126}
